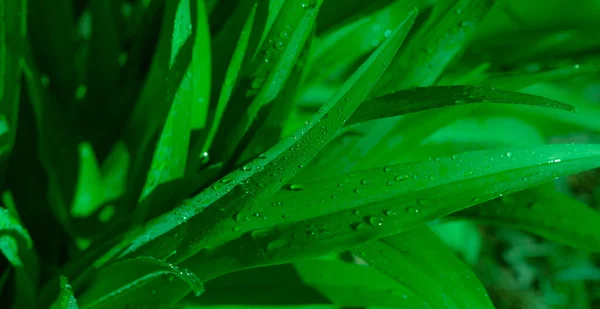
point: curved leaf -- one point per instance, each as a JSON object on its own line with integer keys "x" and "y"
{"x": 419, "y": 99}
{"x": 331, "y": 215}
{"x": 418, "y": 260}
{"x": 131, "y": 283}
{"x": 545, "y": 212}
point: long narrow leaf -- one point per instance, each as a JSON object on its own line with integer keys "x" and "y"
{"x": 545, "y": 212}
{"x": 418, "y": 260}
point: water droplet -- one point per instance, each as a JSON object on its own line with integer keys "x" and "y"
{"x": 296, "y": 187}
{"x": 387, "y": 169}
{"x": 476, "y": 200}
{"x": 432, "y": 177}
{"x": 283, "y": 34}
{"x": 387, "y": 33}
{"x": 365, "y": 181}
{"x": 375, "y": 221}
{"x": 189, "y": 27}
{"x": 356, "y": 212}
{"x": 413, "y": 210}
{"x": 277, "y": 203}
{"x": 415, "y": 177}
{"x": 334, "y": 196}
{"x": 389, "y": 213}
{"x": 340, "y": 184}
{"x": 390, "y": 183}
{"x": 358, "y": 226}
{"x": 357, "y": 190}
{"x": 401, "y": 177}
{"x": 454, "y": 156}
{"x": 458, "y": 11}
{"x": 279, "y": 45}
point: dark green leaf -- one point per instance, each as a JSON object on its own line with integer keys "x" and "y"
{"x": 419, "y": 99}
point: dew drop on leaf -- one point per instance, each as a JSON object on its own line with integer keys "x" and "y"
{"x": 375, "y": 221}
{"x": 389, "y": 213}
{"x": 296, "y": 187}
{"x": 401, "y": 177}
{"x": 365, "y": 181}
{"x": 413, "y": 210}
{"x": 358, "y": 226}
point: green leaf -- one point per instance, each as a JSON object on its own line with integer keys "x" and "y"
{"x": 66, "y": 299}
{"x": 262, "y": 177}
{"x": 334, "y": 214}
{"x": 13, "y": 238}
{"x": 341, "y": 48}
{"x": 12, "y": 45}
{"x": 266, "y": 75}
{"x": 200, "y": 67}
{"x": 334, "y": 15}
{"x": 354, "y": 285}
{"x": 419, "y": 99}
{"x": 232, "y": 45}
{"x": 265, "y": 286}
{"x": 545, "y": 212}
{"x": 16, "y": 245}
{"x": 430, "y": 50}
{"x": 169, "y": 66}
{"x": 89, "y": 194}
{"x": 133, "y": 282}
{"x": 418, "y": 260}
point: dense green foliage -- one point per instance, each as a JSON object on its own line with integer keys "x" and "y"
{"x": 299, "y": 154}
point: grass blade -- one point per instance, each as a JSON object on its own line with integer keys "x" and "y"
{"x": 231, "y": 44}
{"x": 352, "y": 285}
{"x": 545, "y": 212}
{"x": 66, "y": 299}
{"x": 419, "y": 99}
{"x": 267, "y": 74}
{"x": 381, "y": 202}
{"x": 418, "y": 260}
{"x": 17, "y": 247}
{"x": 431, "y": 49}
{"x": 131, "y": 282}
{"x": 262, "y": 178}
